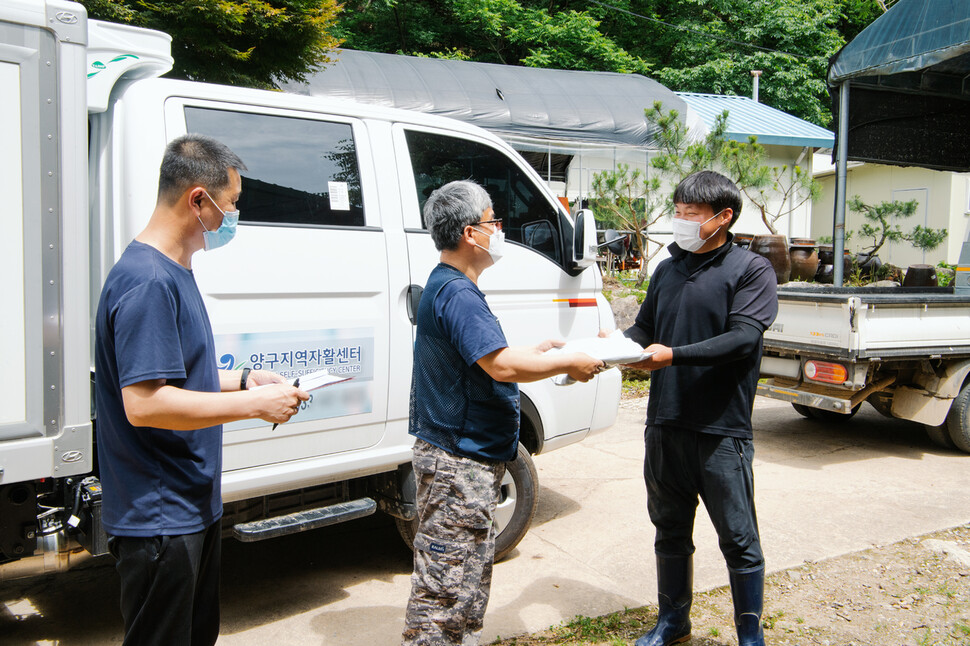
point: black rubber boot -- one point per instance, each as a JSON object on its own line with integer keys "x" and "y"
{"x": 675, "y": 587}
{"x": 748, "y": 592}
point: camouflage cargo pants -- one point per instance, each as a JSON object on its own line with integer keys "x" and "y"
{"x": 453, "y": 549}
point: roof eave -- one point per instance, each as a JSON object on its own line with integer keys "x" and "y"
{"x": 780, "y": 140}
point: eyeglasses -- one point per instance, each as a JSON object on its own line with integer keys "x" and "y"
{"x": 497, "y": 223}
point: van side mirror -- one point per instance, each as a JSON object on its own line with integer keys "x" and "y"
{"x": 584, "y": 239}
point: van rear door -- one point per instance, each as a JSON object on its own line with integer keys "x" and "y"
{"x": 45, "y": 403}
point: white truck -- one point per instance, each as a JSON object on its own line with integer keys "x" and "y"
{"x": 324, "y": 273}
{"x": 899, "y": 95}
{"x": 904, "y": 350}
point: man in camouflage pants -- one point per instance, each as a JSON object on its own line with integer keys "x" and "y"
{"x": 465, "y": 416}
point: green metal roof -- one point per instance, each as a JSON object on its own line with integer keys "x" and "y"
{"x": 747, "y": 117}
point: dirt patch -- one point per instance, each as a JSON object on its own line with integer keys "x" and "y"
{"x": 912, "y": 593}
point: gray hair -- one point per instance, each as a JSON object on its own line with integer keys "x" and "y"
{"x": 453, "y": 207}
{"x": 195, "y": 160}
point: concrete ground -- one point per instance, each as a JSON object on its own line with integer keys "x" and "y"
{"x": 821, "y": 490}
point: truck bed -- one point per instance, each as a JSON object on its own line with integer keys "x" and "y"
{"x": 870, "y": 322}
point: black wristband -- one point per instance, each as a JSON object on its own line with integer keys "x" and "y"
{"x": 244, "y": 378}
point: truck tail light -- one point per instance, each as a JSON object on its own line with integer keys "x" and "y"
{"x": 830, "y": 373}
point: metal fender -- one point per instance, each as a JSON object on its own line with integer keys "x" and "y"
{"x": 928, "y": 402}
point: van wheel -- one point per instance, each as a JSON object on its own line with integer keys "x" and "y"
{"x": 940, "y": 436}
{"x": 958, "y": 419}
{"x": 518, "y": 500}
{"x": 831, "y": 417}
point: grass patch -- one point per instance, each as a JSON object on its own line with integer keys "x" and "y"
{"x": 768, "y": 621}
{"x": 622, "y": 286}
{"x": 615, "y": 629}
{"x": 612, "y": 628}
{"x": 635, "y": 388}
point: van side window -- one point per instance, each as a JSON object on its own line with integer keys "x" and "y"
{"x": 527, "y": 216}
{"x": 300, "y": 171}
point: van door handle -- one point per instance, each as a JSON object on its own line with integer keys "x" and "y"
{"x": 414, "y": 297}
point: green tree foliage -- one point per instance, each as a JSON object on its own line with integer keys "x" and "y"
{"x": 880, "y": 225}
{"x": 706, "y": 46}
{"x": 680, "y": 154}
{"x": 774, "y": 190}
{"x": 630, "y": 201}
{"x": 494, "y": 31}
{"x": 857, "y": 14}
{"x": 256, "y": 43}
{"x": 713, "y": 45}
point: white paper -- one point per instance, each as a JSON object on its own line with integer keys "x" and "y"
{"x": 613, "y": 350}
{"x": 339, "y": 196}
{"x": 319, "y": 379}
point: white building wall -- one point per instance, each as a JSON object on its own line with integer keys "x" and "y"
{"x": 943, "y": 202}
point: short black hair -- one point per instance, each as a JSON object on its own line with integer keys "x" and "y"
{"x": 195, "y": 159}
{"x": 713, "y": 189}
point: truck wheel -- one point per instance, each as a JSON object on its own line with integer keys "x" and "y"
{"x": 940, "y": 436}
{"x": 831, "y": 417}
{"x": 958, "y": 419}
{"x": 516, "y": 508}
{"x": 882, "y": 402}
{"x": 802, "y": 409}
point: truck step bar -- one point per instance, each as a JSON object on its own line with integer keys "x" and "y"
{"x": 302, "y": 521}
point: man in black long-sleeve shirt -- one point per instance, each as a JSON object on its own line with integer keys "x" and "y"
{"x": 703, "y": 318}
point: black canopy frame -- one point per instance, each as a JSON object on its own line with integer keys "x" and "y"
{"x": 901, "y": 95}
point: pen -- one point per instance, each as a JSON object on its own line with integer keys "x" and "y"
{"x": 296, "y": 384}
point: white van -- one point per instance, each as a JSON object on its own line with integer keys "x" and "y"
{"x": 324, "y": 273}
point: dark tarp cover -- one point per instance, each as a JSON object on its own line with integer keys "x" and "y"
{"x": 909, "y": 94}
{"x": 522, "y": 104}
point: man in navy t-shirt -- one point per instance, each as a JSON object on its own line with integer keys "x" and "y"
{"x": 161, "y": 403}
{"x": 704, "y": 317}
{"x": 465, "y": 416}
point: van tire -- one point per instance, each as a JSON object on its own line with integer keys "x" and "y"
{"x": 958, "y": 419}
{"x": 516, "y": 508}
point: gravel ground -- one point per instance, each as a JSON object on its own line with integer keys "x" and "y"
{"x": 912, "y": 593}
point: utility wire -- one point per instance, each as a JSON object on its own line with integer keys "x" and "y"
{"x": 699, "y": 33}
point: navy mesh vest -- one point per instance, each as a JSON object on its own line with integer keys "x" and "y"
{"x": 454, "y": 406}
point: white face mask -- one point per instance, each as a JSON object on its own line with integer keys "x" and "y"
{"x": 687, "y": 234}
{"x": 496, "y": 245}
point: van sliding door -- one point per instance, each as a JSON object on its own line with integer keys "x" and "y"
{"x": 303, "y": 285}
